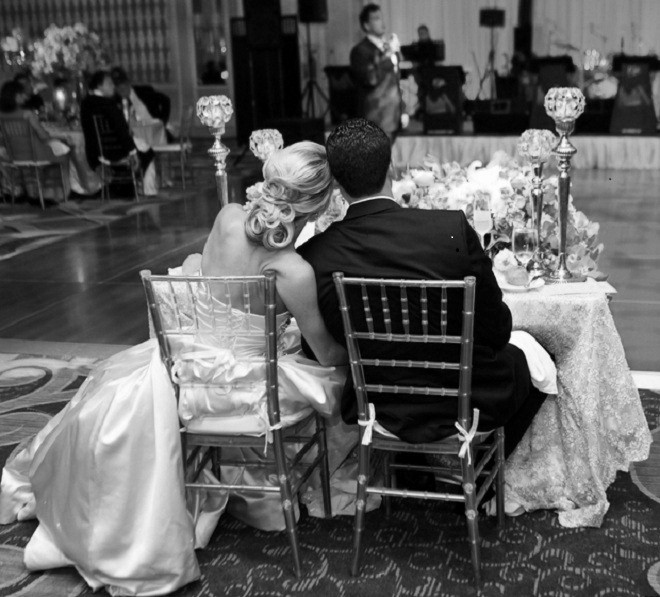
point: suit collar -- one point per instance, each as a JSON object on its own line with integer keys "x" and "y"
{"x": 366, "y": 208}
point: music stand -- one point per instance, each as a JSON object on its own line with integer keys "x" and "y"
{"x": 492, "y": 18}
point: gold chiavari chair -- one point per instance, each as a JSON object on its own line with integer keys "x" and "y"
{"x": 197, "y": 319}
{"x": 110, "y": 169}
{"x": 377, "y": 311}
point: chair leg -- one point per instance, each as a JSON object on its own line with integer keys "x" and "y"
{"x": 387, "y": 481}
{"x": 13, "y": 186}
{"x": 499, "y": 456}
{"x": 105, "y": 190}
{"x": 325, "y": 467}
{"x": 135, "y": 185}
{"x": 472, "y": 515}
{"x": 182, "y": 160}
{"x": 215, "y": 462}
{"x": 360, "y": 506}
{"x": 65, "y": 197}
{"x": 287, "y": 498}
{"x": 39, "y": 188}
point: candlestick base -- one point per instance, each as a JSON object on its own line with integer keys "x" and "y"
{"x": 563, "y": 276}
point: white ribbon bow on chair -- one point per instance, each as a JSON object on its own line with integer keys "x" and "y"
{"x": 368, "y": 426}
{"x": 467, "y": 436}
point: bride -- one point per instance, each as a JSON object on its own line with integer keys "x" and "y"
{"x": 104, "y": 476}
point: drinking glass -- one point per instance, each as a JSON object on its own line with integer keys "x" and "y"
{"x": 525, "y": 244}
{"x": 483, "y": 223}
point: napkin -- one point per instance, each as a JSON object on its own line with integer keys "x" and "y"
{"x": 589, "y": 286}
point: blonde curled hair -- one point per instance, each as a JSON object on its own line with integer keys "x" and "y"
{"x": 297, "y": 186}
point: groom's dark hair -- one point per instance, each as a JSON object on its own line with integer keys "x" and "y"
{"x": 359, "y": 154}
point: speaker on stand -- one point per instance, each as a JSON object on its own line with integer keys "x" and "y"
{"x": 266, "y": 67}
{"x": 312, "y": 11}
{"x": 492, "y": 18}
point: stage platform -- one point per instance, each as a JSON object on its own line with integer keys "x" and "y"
{"x": 597, "y": 151}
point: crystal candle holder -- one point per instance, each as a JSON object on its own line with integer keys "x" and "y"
{"x": 265, "y": 142}
{"x": 564, "y": 105}
{"x": 215, "y": 111}
{"x": 535, "y": 147}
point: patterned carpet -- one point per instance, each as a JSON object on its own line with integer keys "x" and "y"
{"x": 24, "y": 227}
{"x": 420, "y": 551}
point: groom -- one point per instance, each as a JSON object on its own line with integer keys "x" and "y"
{"x": 379, "y": 239}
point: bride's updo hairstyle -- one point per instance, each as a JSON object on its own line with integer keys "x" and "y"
{"x": 297, "y": 186}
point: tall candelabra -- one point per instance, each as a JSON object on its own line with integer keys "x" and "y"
{"x": 535, "y": 147}
{"x": 564, "y": 105}
{"x": 214, "y": 111}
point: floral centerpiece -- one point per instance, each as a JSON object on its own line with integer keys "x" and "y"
{"x": 505, "y": 187}
{"x": 70, "y": 50}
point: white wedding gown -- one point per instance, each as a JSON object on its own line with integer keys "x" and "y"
{"x": 104, "y": 476}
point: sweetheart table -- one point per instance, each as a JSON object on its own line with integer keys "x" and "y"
{"x": 595, "y": 426}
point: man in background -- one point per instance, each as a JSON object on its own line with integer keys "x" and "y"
{"x": 142, "y": 101}
{"x": 100, "y": 101}
{"x": 375, "y": 71}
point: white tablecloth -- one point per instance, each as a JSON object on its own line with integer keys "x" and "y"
{"x": 595, "y": 426}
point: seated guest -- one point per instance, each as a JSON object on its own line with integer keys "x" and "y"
{"x": 100, "y": 102}
{"x": 33, "y": 101}
{"x": 142, "y": 101}
{"x": 45, "y": 146}
{"x": 378, "y": 238}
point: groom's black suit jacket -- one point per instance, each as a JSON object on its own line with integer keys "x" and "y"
{"x": 380, "y": 239}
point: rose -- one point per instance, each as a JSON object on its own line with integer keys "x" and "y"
{"x": 403, "y": 187}
{"x": 422, "y": 178}
{"x": 536, "y": 145}
{"x": 504, "y": 260}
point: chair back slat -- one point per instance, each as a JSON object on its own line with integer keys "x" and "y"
{"x": 367, "y": 309}
{"x": 443, "y": 312}
{"x": 198, "y": 312}
{"x": 425, "y": 313}
{"x": 408, "y": 322}
{"x": 18, "y": 139}
{"x": 467, "y": 345}
{"x": 105, "y": 136}
{"x": 405, "y": 313}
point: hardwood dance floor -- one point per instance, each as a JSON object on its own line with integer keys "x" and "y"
{"x": 86, "y": 288}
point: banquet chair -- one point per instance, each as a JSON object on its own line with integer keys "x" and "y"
{"x": 186, "y": 313}
{"x": 114, "y": 170}
{"x": 376, "y": 312}
{"x": 26, "y": 153}
{"x": 183, "y": 147}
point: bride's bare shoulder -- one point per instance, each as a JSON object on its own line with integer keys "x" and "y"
{"x": 230, "y": 215}
{"x": 290, "y": 266}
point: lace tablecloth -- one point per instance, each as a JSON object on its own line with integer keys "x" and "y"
{"x": 594, "y": 427}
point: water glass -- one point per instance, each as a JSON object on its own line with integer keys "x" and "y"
{"x": 525, "y": 244}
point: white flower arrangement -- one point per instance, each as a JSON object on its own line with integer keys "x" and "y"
{"x": 73, "y": 49}
{"x": 504, "y": 187}
{"x": 264, "y": 142}
{"x": 214, "y": 111}
{"x": 536, "y": 145}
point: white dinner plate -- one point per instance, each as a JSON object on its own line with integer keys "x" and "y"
{"x": 506, "y": 287}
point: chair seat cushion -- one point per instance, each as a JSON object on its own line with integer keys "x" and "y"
{"x": 31, "y": 163}
{"x": 172, "y": 148}
{"x": 122, "y": 162}
{"x": 242, "y": 425}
